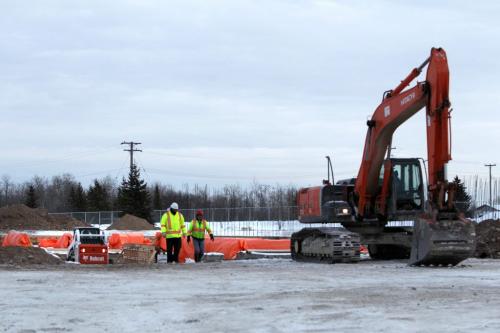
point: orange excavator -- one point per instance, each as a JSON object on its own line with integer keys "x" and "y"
{"x": 390, "y": 206}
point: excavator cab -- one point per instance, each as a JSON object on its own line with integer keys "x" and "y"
{"x": 407, "y": 192}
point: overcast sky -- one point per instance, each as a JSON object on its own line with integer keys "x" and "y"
{"x": 231, "y": 91}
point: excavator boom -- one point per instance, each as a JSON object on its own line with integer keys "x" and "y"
{"x": 397, "y": 107}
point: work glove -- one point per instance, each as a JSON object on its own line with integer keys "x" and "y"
{"x": 212, "y": 237}
{"x": 188, "y": 239}
{"x": 164, "y": 234}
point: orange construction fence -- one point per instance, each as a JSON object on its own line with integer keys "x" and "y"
{"x": 47, "y": 241}
{"x": 227, "y": 246}
{"x": 116, "y": 240}
{"x": 268, "y": 244}
{"x": 14, "y": 238}
{"x": 64, "y": 241}
{"x": 59, "y": 243}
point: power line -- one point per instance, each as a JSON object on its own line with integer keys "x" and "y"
{"x": 131, "y": 150}
{"x": 119, "y": 170}
{"x": 223, "y": 177}
{"x": 146, "y": 175}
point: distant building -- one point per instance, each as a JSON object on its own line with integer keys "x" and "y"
{"x": 486, "y": 212}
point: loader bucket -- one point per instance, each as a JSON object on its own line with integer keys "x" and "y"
{"x": 442, "y": 242}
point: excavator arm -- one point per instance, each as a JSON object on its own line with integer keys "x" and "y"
{"x": 397, "y": 107}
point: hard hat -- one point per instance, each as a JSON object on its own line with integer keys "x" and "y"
{"x": 174, "y": 205}
{"x": 199, "y": 212}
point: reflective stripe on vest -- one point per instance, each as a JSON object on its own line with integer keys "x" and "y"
{"x": 195, "y": 226}
{"x": 169, "y": 225}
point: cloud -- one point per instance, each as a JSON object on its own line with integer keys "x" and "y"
{"x": 247, "y": 89}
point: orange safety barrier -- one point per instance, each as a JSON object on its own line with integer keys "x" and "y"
{"x": 132, "y": 238}
{"x": 14, "y": 238}
{"x": 64, "y": 241}
{"x": 268, "y": 244}
{"x": 59, "y": 243}
{"x": 227, "y": 246}
{"x": 47, "y": 242}
{"x": 116, "y": 241}
{"x": 160, "y": 242}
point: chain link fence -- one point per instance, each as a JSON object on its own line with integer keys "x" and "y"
{"x": 264, "y": 221}
{"x": 279, "y": 229}
{"x": 287, "y": 213}
{"x": 95, "y": 218}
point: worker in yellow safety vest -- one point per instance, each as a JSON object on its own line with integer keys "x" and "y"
{"x": 197, "y": 230}
{"x": 173, "y": 228}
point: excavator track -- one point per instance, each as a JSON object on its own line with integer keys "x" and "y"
{"x": 442, "y": 242}
{"x": 325, "y": 245}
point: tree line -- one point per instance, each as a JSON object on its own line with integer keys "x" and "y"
{"x": 64, "y": 193}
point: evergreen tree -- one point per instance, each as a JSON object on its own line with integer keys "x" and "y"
{"x": 133, "y": 196}
{"x": 98, "y": 197}
{"x": 31, "y": 198}
{"x": 463, "y": 199}
{"x": 77, "y": 198}
{"x": 156, "y": 198}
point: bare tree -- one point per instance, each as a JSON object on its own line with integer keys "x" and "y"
{"x": 6, "y": 187}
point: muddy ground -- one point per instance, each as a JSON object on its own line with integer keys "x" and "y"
{"x": 252, "y": 296}
{"x": 27, "y": 256}
{"x": 488, "y": 239}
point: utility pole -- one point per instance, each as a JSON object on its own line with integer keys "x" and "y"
{"x": 490, "y": 166}
{"x": 131, "y": 150}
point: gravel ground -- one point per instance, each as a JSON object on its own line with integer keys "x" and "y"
{"x": 252, "y": 296}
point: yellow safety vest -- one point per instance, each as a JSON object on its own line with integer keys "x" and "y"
{"x": 197, "y": 228}
{"x": 173, "y": 225}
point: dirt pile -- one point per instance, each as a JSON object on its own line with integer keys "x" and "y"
{"x": 131, "y": 222}
{"x": 21, "y": 217}
{"x": 488, "y": 239}
{"x": 16, "y": 255}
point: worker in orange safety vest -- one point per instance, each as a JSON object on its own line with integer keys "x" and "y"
{"x": 197, "y": 229}
{"x": 173, "y": 228}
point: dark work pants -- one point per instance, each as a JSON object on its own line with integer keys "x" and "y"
{"x": 199, "y": 249}
{"x": 173, "y": 249}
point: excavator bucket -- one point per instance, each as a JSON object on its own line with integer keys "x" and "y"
{"x": 442, "y": 243}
